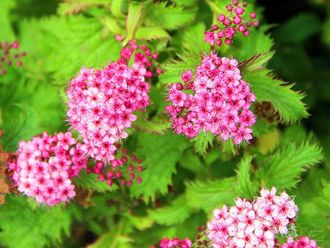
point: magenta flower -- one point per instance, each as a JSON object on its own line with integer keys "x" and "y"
{"x": 45, "y": 165}
{"x": 301, "y": 242}
{"x": 102, "y": 103}
{"x": 175, "y": 243}
{"x": 231, "y": 24}
{"x": 219, "y": 102}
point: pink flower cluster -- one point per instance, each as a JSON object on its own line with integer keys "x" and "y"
{"x": 102, "y": 102}
{"x": 116, "y": 172}
{"x": 301, "y": 242}
{"x": 219, "y": 102}
{"x": 231, "y": 24}
{"x": 45, "y": 165}
{"x": 175, "y": 243}
{"x": 7, "y": 58}
{"x": 252, "y": 224}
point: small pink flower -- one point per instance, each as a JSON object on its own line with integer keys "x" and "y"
{"x": 45, "y": 165}
{"x": 219, "y": 101}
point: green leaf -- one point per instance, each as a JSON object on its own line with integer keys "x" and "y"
{"x": 185, "y": 3}
{"x": 160, "y": 154}
{"x": 151, "y": 126}
{"x": 189, "y": 160}
{"x": 193, "y": 40}
{"x": 287, "y": 102}
{"x": 258, "y": 42}
{"x": 177, "y": 212}
{"x": 6, "y": 31}
{"x": 168, "y": 17}
{"x": 22, "y": 226}
{"x": 118, "y": 6}
{"x": 211, "y": 194}
{"x": 202, "y": 142}
{"x": 292, "y": 31}
{"x": 70, "y": 7}
{"x": 313, "y": 197}
{"x": 135, "y": 12}
{"x": 91, "y": 182}
{"x": 151, "y": 33}
{"x": 112, "y": 240}
{"x": 256, "y": 62}
{"x": 283, "y": 168}
{"x": 174, "y": 69}
{"x": 245, "y": 186}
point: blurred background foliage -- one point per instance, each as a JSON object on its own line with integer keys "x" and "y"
{"x": 62, "y": 36}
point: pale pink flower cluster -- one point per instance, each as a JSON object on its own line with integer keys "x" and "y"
{"x": 217, "y": 100}
{"x": 301, "y": 242}
{"x": 45, "y": 165}
{"x": 252, "y": 224}
{"x": 175, "y": 243}
{"x": 102, "y": 102}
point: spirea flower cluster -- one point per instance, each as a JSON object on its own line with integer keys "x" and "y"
{"x": 102, "y": 103}
{"x": 231, "y": 24}
{"x": 7, "y": 58}
{"x": 116, "y": 172}
{"x": 216, "y": 100}
{"x": 175, "y": 243}
{"x": 45, "y": 165}
{"x": 301, "y": 242}
{"x": 252, "y": 224}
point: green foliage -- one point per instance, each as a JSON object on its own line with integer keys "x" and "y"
{"x": 287, "y": 102}
{"x": 292, "y": 32}
{"x": 35, "y": 227}
{"x": 160, "y": 154}
{"x": 176, "y": 213}
{"x": 211, "y": 194}
{"x": 283, "y": 169}
{"x": 90, "y": 182}
{"x": 202, "y": 142}
{"x": 168, "y": 17}
{"x": 246, "y": 187}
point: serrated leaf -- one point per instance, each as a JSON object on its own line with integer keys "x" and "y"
{"x": 258, "y": 42}
{"x": 256, "y": 62}
{"x": 284, "y": 168}
{"x": 160, "y": 154}
{"x": 151, "y": 126}
{"x": 211, "y": 194}
{"x": 287, "y": 102}
{"x": 202, "y": 142}
{"x": 168, "y": 17}
{"x": 245, "y": 187}
{"x": 193, "y": 40}
{"x": 177, "y": 212}
{"x": 22, "y": 226}
{"x": 174, "y": 69}
{"x": 91, "y": 182}
{"x": 151, "y": 33}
